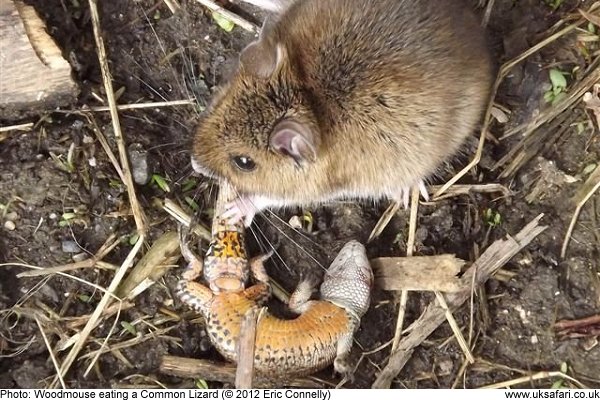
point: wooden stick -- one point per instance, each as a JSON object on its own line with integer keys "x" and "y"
{"x": 245, "y": 368}
{"x": 214, "y": 371}
{"x": 33, "y": 71}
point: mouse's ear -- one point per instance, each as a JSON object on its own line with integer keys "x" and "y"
{"x": 261, "y": 59}
{"x": 295, "y": 140}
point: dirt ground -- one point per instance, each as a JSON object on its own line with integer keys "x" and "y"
{"x": 57, "y": 209}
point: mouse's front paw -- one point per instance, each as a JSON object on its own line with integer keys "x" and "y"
{"x": 242, "y": 208}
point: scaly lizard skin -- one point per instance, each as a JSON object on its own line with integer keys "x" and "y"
{"x": 320, "y": 335}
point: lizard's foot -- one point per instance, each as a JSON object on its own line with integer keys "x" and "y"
{"x": 194, "y": 268}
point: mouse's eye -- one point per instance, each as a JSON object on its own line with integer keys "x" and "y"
{"x": 244, "y": 163}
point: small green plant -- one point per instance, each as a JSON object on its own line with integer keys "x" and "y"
{"x": 559, "y": 86}
{"x": 201, "y": 384}
{"x": 115, "y": 184}
{"x": 189, "y": 184}
{"x": 84, "y": 298}
{"x": 192, "y": 203}
{"x": 224, "y": 23}
{"x": 134, "y": 238}
{"x": 492, "y": 218}
{"x": 129, "y": 327}
{"x": 67, "y": 163}
{"x": 160, "y": 182}
{"x": 67, "y": 219}
{"x": 554, "y": 4}
{"x": 560, "y": 383}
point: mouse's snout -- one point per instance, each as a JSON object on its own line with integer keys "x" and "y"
{"x": 200, "y": 168}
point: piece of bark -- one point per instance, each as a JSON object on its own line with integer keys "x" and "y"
{"x": 432, "y": 273}
{"x": 34, "y": 74}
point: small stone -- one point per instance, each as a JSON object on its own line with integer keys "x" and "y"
{"x": 69, "y": 246}
{"x": 9, "y": 226}
{"x": 12, "y": 216}
{"x": 534, "y": 339}
{"x": 139, "y": 164}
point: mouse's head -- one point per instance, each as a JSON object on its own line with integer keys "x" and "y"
{"x": 259, "y": 133}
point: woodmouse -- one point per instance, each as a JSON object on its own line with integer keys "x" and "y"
{"x": 345, "y": 99}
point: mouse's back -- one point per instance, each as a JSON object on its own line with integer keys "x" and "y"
{"x": 348, "y": 98}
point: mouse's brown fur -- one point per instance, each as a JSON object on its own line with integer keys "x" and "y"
{"x": 374, "y": 97}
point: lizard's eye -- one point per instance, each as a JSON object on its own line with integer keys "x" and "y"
{"x": 243, "y": 163}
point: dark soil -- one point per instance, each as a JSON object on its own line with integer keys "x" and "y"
{"x": 61, "y": 213}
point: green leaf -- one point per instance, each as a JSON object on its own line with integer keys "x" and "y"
{"x": 161, "y": 183}
{"x": 201, "y": 384}
{"x": 128, "y": 327}
{"x": 133, "y": 239}
{"x": 558, "y": 79}
{"x": 558, "y": 384}
{"x": 192, "y": 203}
{"x": 68, "y": 216}
{"x": 224, "y": 23}
{"x": 189, "y": 184}
{"x": 84, "y": 297}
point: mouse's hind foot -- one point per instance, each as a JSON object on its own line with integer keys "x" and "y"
{"x": 401, "y": 199}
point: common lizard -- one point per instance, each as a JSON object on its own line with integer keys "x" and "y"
{"x": 320, "y": 335}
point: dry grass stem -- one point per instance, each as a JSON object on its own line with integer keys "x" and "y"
{"x": 583, "y": 195}
{"x": 174, "y": 210}
{"x": 51, "y": 352}
{"x": 139, "y": 106}
{"x": 215, "y": 371}
{"x": 410, "y": 245}
{"x": 18, "y": 127}
{"x": 534, "y": 377}
{"x": 236, "y": 19}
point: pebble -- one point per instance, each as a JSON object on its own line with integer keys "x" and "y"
{"x": 9, "y": 226}
{"x": 69, "y": 246}
{"x": 139, "y": 163}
